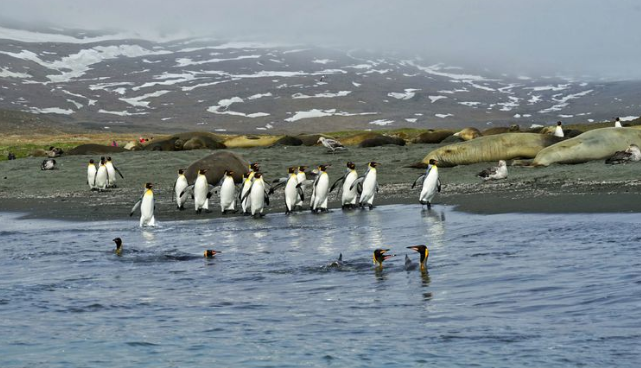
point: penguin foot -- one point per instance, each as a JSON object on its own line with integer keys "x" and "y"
{"x": 208, "y": 211}
{"x": 371, "y": 207}
{"x": 198, "y": 211}
{"x": 429, "y": 206}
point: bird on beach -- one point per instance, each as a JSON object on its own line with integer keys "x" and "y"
{"x": 494, "y": 173}
{"x": 367, "y": 186}
{"x": 423, "y": 251}
{"x": 111, "y": 171}
{"x": 331, "y": 144}
{"x": 348, "y": 197}
{"x": 147, "y": 206}
{"x": 48, "y": 164}
{"x": 179, "y": 186}
{"x": 631, "y": 154}
{"x": 320, "y": 190}
{"x": 430, "y": 182}
{"x": 380, "y": 256}
{"x": 91, "y": 175}
{"x": 118, "y": 249}
{"x": 558, "y": 131}
{"x": 293, "y": 190}
{"x": 617, "y": 123}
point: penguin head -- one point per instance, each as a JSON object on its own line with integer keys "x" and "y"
{"x": 373, "y": 164}
{"x": 109, "y": 159}
{"x": 210, "y": 253}
{"x": 254, "y": 167}
{"x": 380, "y": 256}
{"x": 323, "y": 167}
{"x": 118, "y": 242}
{"x": 559, "y": 123}
{"x": 229, "y": 172}
{"x": 433, "y": 161}
{"x": 423, "y": 251}
{"x": 91, "y": 162}
{"x": 181, "y": 171}
{"x": 291, "y": 170}
{"x": 202, "y": 171}
{"x": 302, "y": 169}
{"x": 246, "y": 175}
{"x": 258, "y": 175}
{"x": 102, "y": 158}
{"x": 351, "y": 165}
{"x": 149, "y": 185}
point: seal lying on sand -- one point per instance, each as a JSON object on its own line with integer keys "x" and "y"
{"x": 497, "y": 147}
{"x": 433, "y": 136}
{"x": 468, "y": 134}
{"x": 597, "y": 144}
{"x": 216, "y": 164}
{"x": 94, "y": 149}
{"x": 381, "y": 141}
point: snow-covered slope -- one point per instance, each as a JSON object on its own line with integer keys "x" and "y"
{"x": 115, "y": 80}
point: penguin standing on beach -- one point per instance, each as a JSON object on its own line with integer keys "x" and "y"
{"x": 348, "y": 197}
{"x": 558, "y": 131}
{"x": 201, "y": 192}
{"x": 91, "y": 174}
{"x": 102, "y": 176}
{"x": 369, "y": 185}
{"x": 259, "y": 195}
{"x": 244, "y": 198}
{"x": 179, "y": 187}
{"x": 302, "y": 182}
{"x": 431, "y": 184}
{"x": 111, "y": 171}
{"x": 320, "y": 190}
{"x": 147, "y": 206}
{"x": 228, "y": 193}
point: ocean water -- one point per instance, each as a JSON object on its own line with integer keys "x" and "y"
{"x": 508, "y": 290}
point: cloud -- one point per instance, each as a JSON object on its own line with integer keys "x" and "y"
{"x": 595, "y": 37}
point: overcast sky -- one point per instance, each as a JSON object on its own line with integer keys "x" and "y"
{"x": 600, "y": 38}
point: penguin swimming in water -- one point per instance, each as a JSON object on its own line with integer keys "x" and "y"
{"x": 369, "y": 185}
{"x": 179, "y": 188}
{"x": 228, "y": 192}
{"x": 118, "y": 249}
{"x": 380, "y": 256}
{"x": 147, "y": 207}
{"x": 431, "y": 184}
{"x": 111, "y": 172}
{"x": 424, "y": 252}
{"x": 210, "y": 253}
{"x": 102, "y": 176}
{"x": 91, "y": 175}
{"x": 259, "y": 195}
{"x": 337, "y": 263}
{"x": 320, "y": 190}
{"x": 349, "y": 193}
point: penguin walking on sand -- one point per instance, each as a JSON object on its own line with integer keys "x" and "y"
{"x": 111, "y": 171}
{"x": 259, "y": 196}
{"x": 147, "y": 206}
{"x": 91, "y": 175}
{"x": 369, "y": 185}
{"x": 201, "y": 192}
{"x": 431, "y": 184}
{"x": 179, "y": 187}
{"x": 320, "y": 190}
{"x": 348, "y": 197}
{"x": 293, "y": 189}
{"x": 302, "y": 182}
{"x": 228, "y": 193}
{"x": 245, "y": 204}
{"x": 102, "y": 176}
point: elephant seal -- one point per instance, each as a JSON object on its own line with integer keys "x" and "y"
{"x": 250, "y": 141}
{"x": 468, "y": 134}
{"x": 433, "y": 136}
{"x": 94, "y": 149}
{"x": 186, "y": 141}
{"x": 514, "y": 128}
{"x": 133, "y": 146}
{"x": 288, "y": 140}
{"x": 216, "y": 164}
{"x": 597, "y": 144}
{"x": 504, "y": 146}
{"x": 309, "y": 139}
{"x": 381, "y": 140}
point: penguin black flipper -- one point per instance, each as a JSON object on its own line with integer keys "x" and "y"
{"x": 118, "y": 171}
{"x": 301, "y": 193}
{"x": 135, "y": 207}
{"x": 247, "y": 192}
{"x": 316, "y": 181}
{"x": 438, "y": 185}
{"x": 359, "y": 188}
{"x": 266, "y": 198}
{"x": 279, "y": 185}
{"x": 418, "y": 180}
{"x": 211, "y": 190}
{"x": 338, "y": 181}
{"x": 358, "y": 183}
{"x": 191, "y": 187}
{"x": 376, "y": 187}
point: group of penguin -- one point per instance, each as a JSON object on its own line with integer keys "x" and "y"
{"x": 104, "y": 176}
{"x": 379, "y": 256}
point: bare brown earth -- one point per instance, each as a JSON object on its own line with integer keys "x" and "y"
{"x": 64, "y": 194}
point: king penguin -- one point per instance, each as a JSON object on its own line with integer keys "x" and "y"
{"x": 424, "y": 252}
{"x": 91, "y": 175}
{"x": 228, "y": 193}
{"x": 320, "y": 190}
{"x": 147, "y": 207}
{"x": 258, "y": 194}
{"x": 349, "y": 193}
{"x": 380, "y": 256}
{"x": 431, "y": 184}
{"x": 102, "y": 176}
{"x": 244, "y": 198}
{"x": 118, "y": 249}
{"x": 370, "y": 186}
{"x": 293, "y": 189}
{"x": 302, "y": 178}
{"x": 201, "y": 191}
{"x": 179, "y": 187}
{"x": 111, "y": 171}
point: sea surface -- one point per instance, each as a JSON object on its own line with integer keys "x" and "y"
{"x": 509, "y": 290}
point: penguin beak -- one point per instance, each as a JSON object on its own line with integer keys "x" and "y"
{"x": 414, "y": 248}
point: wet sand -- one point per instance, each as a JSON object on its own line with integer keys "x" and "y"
{"x": 64, "y": 194}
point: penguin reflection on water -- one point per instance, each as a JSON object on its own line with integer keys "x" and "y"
{"x": 424, "y": 252}
{"x": 118, "y": 250}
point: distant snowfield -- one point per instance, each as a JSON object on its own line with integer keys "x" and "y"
{"x": 407, "y": 95}
{"x": 469, "y": 103}
{"x": 6, "y": 73}
{"x": 32, "y": 37}
{"x": 322, "y": 61}
{"x": 224, "y": 104}
{"x": 121, "y": 113}
{"x": 436, "y": 98}
{"x": 558, "y": 87}
{"x": 259, "y": 95}
{"x": 139, "y": 101}
{"x": 381, "y": 122}
{"x": 50, "y": 110}
{"x": 317, "y": 113}
{"x": 563, "y": 102}
{"x": 436, "y": 70}
{"x": 182, "y": 62}
{"x": 443, "y": 116}
{"x": 322, "y": 95}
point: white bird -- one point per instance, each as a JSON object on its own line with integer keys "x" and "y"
{"x": 558, "y": 131}
{"x": 617, "y": 123}
{"x": 367, "y": 186}
{"x": 331, "y": 144}
{"x": 147, "y": 206}
{"x": 102, "y": 176}
{"x": 228, "y": 192}
{"x": 494, "y": 173}
{"x": 631, "y": 154}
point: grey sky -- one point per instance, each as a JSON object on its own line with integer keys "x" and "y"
{"x": 601, "y": 38}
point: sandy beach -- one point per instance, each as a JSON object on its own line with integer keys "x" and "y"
{"x": 63, "y": 193}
